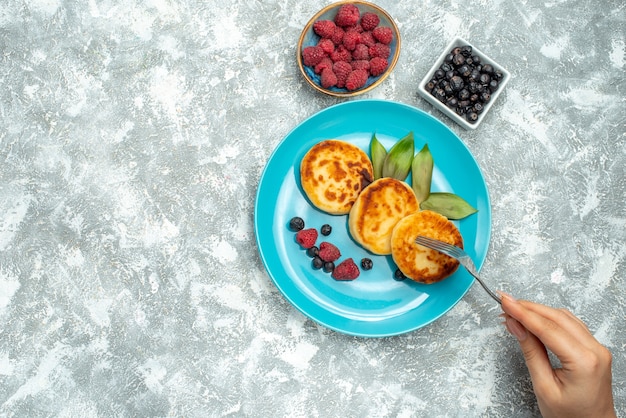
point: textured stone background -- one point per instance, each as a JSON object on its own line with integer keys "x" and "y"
{"x": 132, "y": 137}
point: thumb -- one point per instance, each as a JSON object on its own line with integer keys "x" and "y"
{"x": 535, "y": 353}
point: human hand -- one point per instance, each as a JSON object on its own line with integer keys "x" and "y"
{"x": 582, "y": 387}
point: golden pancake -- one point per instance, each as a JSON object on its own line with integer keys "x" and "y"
{"x": 333, "y": 173}
{"x": 420, "y": 263}
{"x": 377, "y": 210}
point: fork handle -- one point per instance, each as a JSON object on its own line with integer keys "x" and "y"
{"x": 493, "y": 295}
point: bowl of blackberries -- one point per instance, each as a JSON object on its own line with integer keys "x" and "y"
{"x": 348, "y": 48}
{"x": 464, "y": 83}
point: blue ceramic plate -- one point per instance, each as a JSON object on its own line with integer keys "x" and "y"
{"x": 373, "y": 305}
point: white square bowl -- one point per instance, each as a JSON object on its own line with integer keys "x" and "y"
{"x": 461, "y": 120}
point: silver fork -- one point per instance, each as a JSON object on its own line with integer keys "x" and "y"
{"x": 457, "y": 253}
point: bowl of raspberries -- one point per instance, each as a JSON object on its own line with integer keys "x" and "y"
{"x": 348, "y": 48}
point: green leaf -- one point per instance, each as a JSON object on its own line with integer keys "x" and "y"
{"x": 422, "y": 171}
{"x": 378, "y": 153}
{"x": 448, "y": 204}
{"x": 398, "y": 161}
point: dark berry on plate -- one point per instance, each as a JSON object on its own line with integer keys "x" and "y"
{"x": 328, "y": 266}
{"x": 326, "y": 230}
{"x": 367, "y": 264}
{"x": 313, "y": 251}
{"x": 317, "y": 263}
{"x": 306, "y": 237}
{"x": 296, "y": 223}
{"x": 398, "y": 275}
{"x": 472, "y": 116}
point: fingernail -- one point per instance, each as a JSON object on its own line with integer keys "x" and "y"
{"x": 504, "y": 295}
{"x": 516, "y": 329}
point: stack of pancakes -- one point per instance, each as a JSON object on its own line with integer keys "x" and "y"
{"x": 383, "y": 215}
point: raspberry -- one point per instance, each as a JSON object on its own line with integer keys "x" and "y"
{"x": 328, "y": 252}
{"x": 346, "y": 270}
{"x": 342, "y": 69}
{"x": 347, "y": 15}
{"x": 383, "y": 35}
{"x": 337, "y": 36}
{"x": 368, "y": 39}
{"x": 361, "y": 52}
{"x": 312, "y": 55}
{"x": 327, "y": 45}
{"x": 324, "y": 28}
{"x": 306, "y": 237}
{"x": 341, "y": 54}
{"x": 351, "y": 39}
{"x": 378, "y": 66}
{"x": 361, "y": 65}
{"x": 369, "y": 20}
{"x": 380, "y": 50}
{"x": 328, "y": 78}
{"x": 324, "y": 64}
{"x": 356, "y": 79}
{"x": 357, "y": 28}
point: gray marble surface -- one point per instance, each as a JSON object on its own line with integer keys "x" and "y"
{"x": 132, "y": 138}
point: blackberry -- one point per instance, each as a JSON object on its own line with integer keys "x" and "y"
{"x": 296, "y": 223}
{"x": 367, "y": 264}
{"x": 398, "y": 275}
{"x": 326, "y": 230}
{"x": 313, "y": 251}
{"x": 329, "y": 266}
